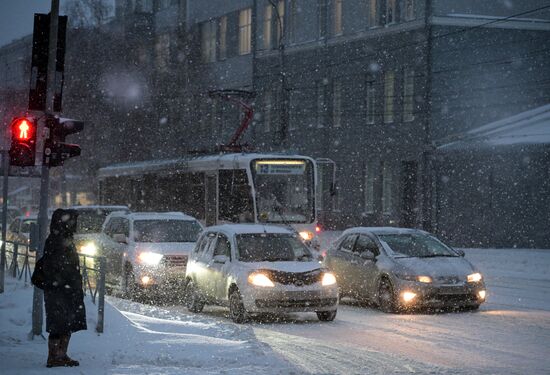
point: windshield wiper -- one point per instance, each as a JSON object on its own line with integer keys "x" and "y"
{"x": 437, "y": 256}
{"x": 304, "y": 257}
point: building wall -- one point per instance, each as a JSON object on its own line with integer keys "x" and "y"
{"x": 494, "y": 197}
{"x": 482, "y": 75}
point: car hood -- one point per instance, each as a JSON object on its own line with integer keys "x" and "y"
{"x": 283, "y": 266}
{"x": 166, "y": 248}
{"x": 85, "y": 237}
{"x": 436, "y": 267}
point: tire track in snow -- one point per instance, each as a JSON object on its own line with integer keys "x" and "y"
{"x": 323, "y": 358}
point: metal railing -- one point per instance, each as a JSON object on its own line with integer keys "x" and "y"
{"x": 20, "y": 261}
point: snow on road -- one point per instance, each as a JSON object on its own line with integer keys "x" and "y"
{"x": 138, "y": 339}
{"x": 509, "y": 335}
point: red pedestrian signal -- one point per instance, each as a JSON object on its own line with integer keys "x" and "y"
{"x": 23, "y": 142}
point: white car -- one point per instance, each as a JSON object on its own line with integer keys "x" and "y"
{"x": 258, "y": 269}
{"x": 147, "y": 250}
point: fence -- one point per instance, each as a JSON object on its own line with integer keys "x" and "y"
{"x": 20, "y": 261}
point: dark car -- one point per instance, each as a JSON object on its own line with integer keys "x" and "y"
{"x": 400, "y": 269}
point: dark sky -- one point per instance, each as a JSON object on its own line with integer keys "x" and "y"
{"x": 16, "y": 17}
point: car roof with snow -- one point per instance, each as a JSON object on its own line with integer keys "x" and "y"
{"x": 383, "y": 230}
{"x": 99, "y": 207}
{"x": 235, "y": 229}
{"x": 154, "y": 216}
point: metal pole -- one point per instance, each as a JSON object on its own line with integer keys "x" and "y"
{"x": 101, "y": 298}
{"x": 6, "y": 166}
{"x": 38, "y": 296}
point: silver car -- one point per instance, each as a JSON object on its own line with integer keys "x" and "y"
{"x": 258, "y": 269}
{"x": 400, "y": 269}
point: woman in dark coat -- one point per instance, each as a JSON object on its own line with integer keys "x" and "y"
{"x": 63, "y": 294}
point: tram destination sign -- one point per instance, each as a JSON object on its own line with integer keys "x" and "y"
{"x": 295, "y": 167}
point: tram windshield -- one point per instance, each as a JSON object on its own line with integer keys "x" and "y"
{"x": 284, "y": 190}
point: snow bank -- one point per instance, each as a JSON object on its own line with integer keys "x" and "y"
{"x": 133, "y": 343}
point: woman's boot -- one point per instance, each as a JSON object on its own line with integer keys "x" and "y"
{"x": 55, "y": 358}
{"x": 64, "y": 346}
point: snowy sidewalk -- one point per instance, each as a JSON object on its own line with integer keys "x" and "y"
{"x": 134, "y": 343}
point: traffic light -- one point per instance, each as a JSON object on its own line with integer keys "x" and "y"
{"x": 23, "y": 142}
{"x": 56, "y": 150}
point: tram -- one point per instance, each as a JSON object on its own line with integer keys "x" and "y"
{"x": 223, "y": 188}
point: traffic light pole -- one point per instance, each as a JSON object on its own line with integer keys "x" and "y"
{"x": 38, "y": 296}
{"x": 5, "y": 166}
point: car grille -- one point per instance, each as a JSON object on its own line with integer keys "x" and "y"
{"x": 295, "y": 278}
{"x": 449, "y": 280}
{"x": 321, "y": 302}
{"x": 175, "y": 260}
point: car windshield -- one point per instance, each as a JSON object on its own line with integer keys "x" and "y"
{"x": 166, "y": 230}
{"x": 416, "y": 245}
{"x": 91, "y": 220}
{"x": 270, "y": 247}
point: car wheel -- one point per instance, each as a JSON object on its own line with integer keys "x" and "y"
{"x": 386, "y": 297}
{"x": 236, "y": 307}
{"x": 194, "y": 302}
{"x": 326, "y": 316}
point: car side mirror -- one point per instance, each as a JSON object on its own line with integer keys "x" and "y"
{"x": 368, "y": 255}
{"x": 120, "y": 238}
{"x": 221, "y": 259}
{"x": 460, "y": 252}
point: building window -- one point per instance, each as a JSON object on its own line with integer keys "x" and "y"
{"x": 389, "y": 89}
{"x": 390, "y": 11}
{"x": 268, "y": 107}
{"x": 321, "y": 106}
{"x": 337, "y": 104}
{"x": 408, "y": 95}
{"x": 280, "y": 21}
{"x": 370, "y": 102}
{"x": 162, "y": 51}
{"x": 409, "y": 10}
{"x": 208, "y": 41}
{"x": 337, "y": 14}
{"x": 370, "y": 177}
{"x": 386, "y": 189}
{"x": 268, "y": 22}
{"x": 223, "y": 38}
{"x": 245, "y": 31}
{"x": 373, "y": 13}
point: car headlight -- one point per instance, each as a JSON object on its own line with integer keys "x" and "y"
{"x": 424, "y": 279}
{"x": 260, "y": 279}
{"x": 306, "y": 235}
{"x": 474, "y": 277}
{"x": 149, "y": 258}
{"x": 89, "y": 248}
{"x": 328, "y": 279}
{"x": 408, "y": 296}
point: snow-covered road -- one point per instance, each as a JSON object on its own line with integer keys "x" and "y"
{"x": 509, "y": 335}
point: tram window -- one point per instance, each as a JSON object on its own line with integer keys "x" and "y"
{"x": 235, "y": 198}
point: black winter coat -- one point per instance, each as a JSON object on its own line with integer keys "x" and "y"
{"x": 63, "y": 294}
